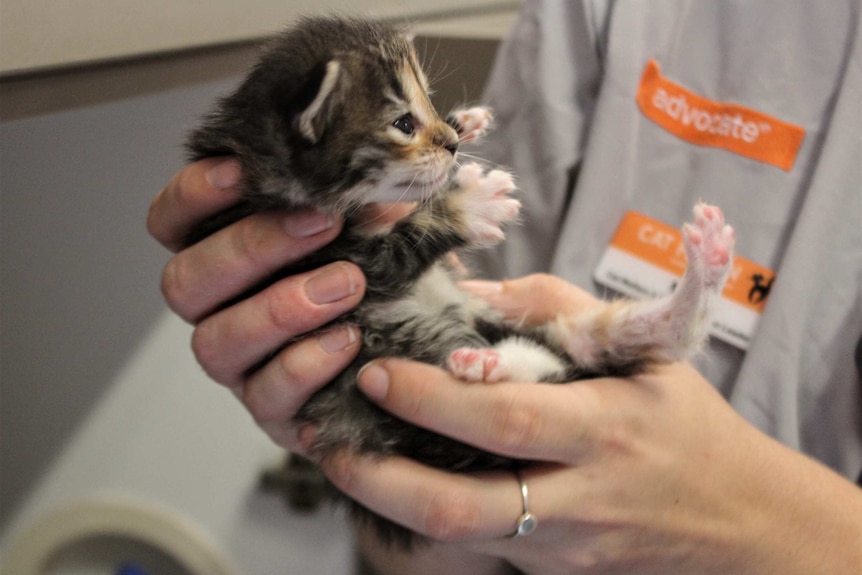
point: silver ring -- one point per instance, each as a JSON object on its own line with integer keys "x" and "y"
{"x": 527, "y": 522}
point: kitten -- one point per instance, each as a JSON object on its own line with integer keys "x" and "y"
{"x": 335, "y": 116}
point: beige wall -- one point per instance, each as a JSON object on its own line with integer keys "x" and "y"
{"x": 83, "y": 150}
{"x": 45, "y": 34}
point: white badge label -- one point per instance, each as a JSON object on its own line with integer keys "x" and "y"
{"x": 646, "y": 259}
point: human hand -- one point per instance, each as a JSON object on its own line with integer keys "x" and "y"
{"x": 238, "y": 340}
{"x": 653, "y": 474}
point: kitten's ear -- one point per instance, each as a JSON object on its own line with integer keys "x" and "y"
{"x": 313, "y": 119}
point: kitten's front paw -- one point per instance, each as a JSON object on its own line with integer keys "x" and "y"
{"x": 709, "y": 245}
{"x": 484, "y": 202}
{"x": 471, "y": 123}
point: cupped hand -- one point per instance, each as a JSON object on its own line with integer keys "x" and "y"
{"x": 651, "y": 474}
{"x": 622, "y": 472}
{"x": 242, "y": 342}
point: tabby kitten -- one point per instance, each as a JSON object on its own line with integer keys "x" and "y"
{"x": 335, "y": 116}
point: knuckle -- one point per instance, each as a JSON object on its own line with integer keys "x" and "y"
{"x": 541, "y": 282}
{"x": 411, "y": 404}
{"x": 290, "y": 370}
{"x": 174, "y": 286}
{"x": 274, "y": 400}
{"x": 339, "y": 469}
{"x": 282, "y": 304}
{"x": 207, "y": 352}
{"x": 543, "y": 277}
{"x": 452, "y": 517}
{"x": 249, "y": 239}
{"x": 154, "y": 215}
{"x": 516, "y": 425}
{"x": 161, "y": 207}
{"x": 185, "y": 186}
{"x": 259, "y": 405}
{"x": 620, "y": 437}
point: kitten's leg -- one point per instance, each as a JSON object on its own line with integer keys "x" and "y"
{"x": 620, "y": 337}
{"x": 470, "y": 123}
{"x": 623, "y": 336}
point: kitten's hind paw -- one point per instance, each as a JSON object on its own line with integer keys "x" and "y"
{"x": 484, "y": 203}
{"x": 476, "y": 365}
{"x": 709, "y": 245}
{"x": 471, "y": 123}
{"x": 514, "y": 359}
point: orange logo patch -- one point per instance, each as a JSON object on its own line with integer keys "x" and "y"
{"x": 661, "y": 245}
{"x": 704, "y": 122}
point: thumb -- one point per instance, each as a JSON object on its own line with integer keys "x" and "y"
{"x": 532, "y": 299}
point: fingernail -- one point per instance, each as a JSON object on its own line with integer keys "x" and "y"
{"x": 225, "y": 174}
{"x": 373, "y": 381}
{"x": 482, "y": 288}
{"x": 331, "y": 284}
{"x": 337, "y": 339}
{"x": 305, "y": 224}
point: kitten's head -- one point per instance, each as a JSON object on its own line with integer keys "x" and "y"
{"x": 340, "y": 107}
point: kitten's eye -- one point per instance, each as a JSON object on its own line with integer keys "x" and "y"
{"x": 405, "y": 124}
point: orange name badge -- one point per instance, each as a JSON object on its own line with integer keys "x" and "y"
{"x": 646, "y": 258}
{"x": 704, "y": 122}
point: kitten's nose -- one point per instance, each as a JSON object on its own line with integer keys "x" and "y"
{"x": 447, "y": 138}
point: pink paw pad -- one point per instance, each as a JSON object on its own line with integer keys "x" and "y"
{"x": 470, "y": 123}
{"x": 486, "y": 203}
{"x": 692, "y": 235}
{"x": 711, "y": 213}
{"x": 709, "y": 243}
{"x": 474, "y": 364}
{"x": 469, "y": 176}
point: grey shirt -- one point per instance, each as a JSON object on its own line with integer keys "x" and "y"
{"x": 564, "y": 92}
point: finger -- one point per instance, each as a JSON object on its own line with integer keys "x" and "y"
{"x": 443, "y": 506}
{"x": 228, "y": 263}
{"x": 533, "y": 421}
{"x": 385, "y": 214}
{"x": 553, "y": 492}
{"x": 198, "y": 191}
{"x": 533, "y": 299}
{"x": 231, "y": 342}
{"x": 275, "y": 393}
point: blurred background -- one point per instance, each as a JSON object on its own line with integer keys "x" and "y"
{"x": 117, "y": 455}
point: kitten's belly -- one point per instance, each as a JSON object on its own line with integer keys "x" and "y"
{"x": 433, "y": 293}
{"x": 431, "y": 321}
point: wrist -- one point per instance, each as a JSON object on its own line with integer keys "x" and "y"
{"x": 803, "y": 518}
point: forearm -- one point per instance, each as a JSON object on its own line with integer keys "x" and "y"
{"x": 424, "y": 559}
{"x": 806, "y": 520}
